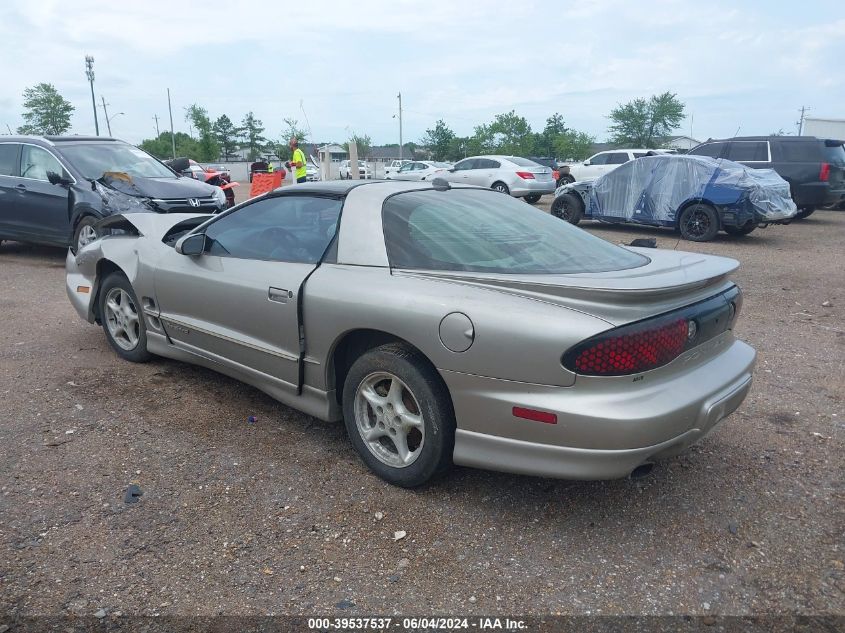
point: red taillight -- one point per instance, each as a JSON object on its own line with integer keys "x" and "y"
{"x": 534, "y": 415}
{"x": 824, "y": 172}
{"x": 525, "y": 175}
{"x": 633, "y": 352}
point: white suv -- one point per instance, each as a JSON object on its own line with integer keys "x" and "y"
{"x": 603, "y": 162}
{"x": 364, "y": 172}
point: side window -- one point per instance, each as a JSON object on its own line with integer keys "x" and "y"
{"x": 492, "y": 164}
{"x": 468, "y": 163}
{"x": 799, "y": 151}
{"x": 36, "y": 162}
{"x": 283, "y": 228}
{"x": 406, "y": 167}
{"x": 617, "y": 158}
{"x": 599, "y": 159}
{"x": 714, "y": 150}
{"x": 9, "y": 159}
{"x": 749, "y": 151}
{"x": 640, "y": 154}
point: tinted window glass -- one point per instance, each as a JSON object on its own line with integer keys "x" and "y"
{"x": 482, "y": 231}
{"x": 8, "y": 159}
{"x": 757, "y": 151}
{"x": 714, "y": 150}
{"x": 834, "y": 154}
{"x": 639, "y": 154}
{"x": 599, "y": 159}
{"x": 524, "y": 162}
{"x": 94, "y": 159}
{"x": 617, "y": 158}
{"x": 800, "y": 151}
{"x": 486, "y": 163}
{"x": 37, "y": 161}
{"x": 286, "y": 229}
{"x": 469, "y": 163}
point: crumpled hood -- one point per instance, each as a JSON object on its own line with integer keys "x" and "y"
{"x": 159, "y": 187}
{"x": 671, "y": 279}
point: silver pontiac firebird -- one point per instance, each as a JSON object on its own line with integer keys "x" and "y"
{"x": 442, "y": 323}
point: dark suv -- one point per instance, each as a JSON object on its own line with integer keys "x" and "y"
{"x": 54, "y": 189}
{"x": 813, "y": 167}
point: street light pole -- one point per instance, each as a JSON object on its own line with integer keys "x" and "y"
{"x": 106, "y": 114}
{"x": 89, "y": 72}
{"x": 172, "y": 136}
{"x": 400, "y": 125}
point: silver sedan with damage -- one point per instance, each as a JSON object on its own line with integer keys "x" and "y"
{"x": 443, "y": 324}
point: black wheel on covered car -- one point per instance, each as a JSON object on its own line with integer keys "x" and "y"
{"x": 85, "y": 233}
{"x": 804, "y": 212}
{"x": 699, "y": 223}
{"x": 565, "y": 179}
{"x": 568, "y": 207}
{"x": 122, "y": 319}
{"x": 533, "y": 198}
{"x": 745, "y": 229}
{"x": 399, "y": 416}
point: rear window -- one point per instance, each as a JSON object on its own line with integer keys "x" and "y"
{"x": 834, "y": 154}
{"x": 486, "y": 232}
{"x": 522, "y": 162}
{"x": 749, "y": 151}
{"x": 8, "y": 159}
{"x": 800, "y": 151}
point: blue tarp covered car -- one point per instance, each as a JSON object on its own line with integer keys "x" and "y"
{"x": 697, "y": 195}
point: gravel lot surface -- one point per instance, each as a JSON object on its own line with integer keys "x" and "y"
{"x": 279, "y": 516}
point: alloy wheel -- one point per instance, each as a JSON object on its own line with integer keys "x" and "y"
{"x": 697, "y": 223}
{"x": 87, "y": 234}
{"x": 122, "y": 319}
{"x": 389, "y": 419}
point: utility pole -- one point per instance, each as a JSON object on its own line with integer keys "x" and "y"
{"x": 803, "y": 111}
{"x": 172, "y": 135}
{"x": 400, "y": 125}
{"x": 89, "y": 72}
{"x": 156, "y": 120}
{"x": 106, "y": 113}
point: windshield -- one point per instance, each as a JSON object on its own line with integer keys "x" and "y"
{"x": 95, "y": 159}
{"x": 484, "y": 231}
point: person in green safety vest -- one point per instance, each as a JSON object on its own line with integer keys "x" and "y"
{"x": 270, "y": 168}
{"x": 297, "y": 161}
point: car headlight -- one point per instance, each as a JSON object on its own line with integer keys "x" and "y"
{"x": 117, "y": 202}
{"x": 219, "y": 196}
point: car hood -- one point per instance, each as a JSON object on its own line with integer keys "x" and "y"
{"x": 164, "y": 188}
{"x": 669, "y": 280}
{"x": 151, "y": 225}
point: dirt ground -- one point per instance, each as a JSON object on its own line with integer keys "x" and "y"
{"x": 279, "y": 516}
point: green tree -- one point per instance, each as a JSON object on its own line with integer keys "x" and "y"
{"x": 208, "y": 149}
{"x": 511, "y": 134}
{"x": 544, "y": 142}
{"x": 438, "y": 139}
{"x": 161, "y": 147}
{"x": 482, "y": 141}
{"x": 226, "y": 134}
{"x": 572, "y": 145}
{"x": 646, "y": 123}
{"x": 364, "y": 143}
{"x": 252, "y": 135}
{"x": 46, "y": 111}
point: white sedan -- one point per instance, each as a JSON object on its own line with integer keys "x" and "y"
{"x": 419, "y": 170}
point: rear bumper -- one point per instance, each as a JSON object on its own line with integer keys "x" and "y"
{"x": 816, "y": 194}
{"x": 603, "y": 431}
{"x": 530, "y": 188}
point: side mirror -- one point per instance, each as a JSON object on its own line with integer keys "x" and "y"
{"x": 191, "y": 245}
{"x": 587, "y": 162}
{"x": 56, "y": 179}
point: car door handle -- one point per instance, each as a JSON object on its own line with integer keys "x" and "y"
{"x": 20, "y": 187}
{"x": 279, "y": 295}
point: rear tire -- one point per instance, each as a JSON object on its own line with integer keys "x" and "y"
{"x": 533, "y": 198}
{"x": 568, "y": 207}
{"x": 399, "y": 416}
{"x": 500, "y": 187}
{"x": 123, "y": 319}
{"x": 566, "y": 179}
{"x": 747, "y": 228}
{"x": 804, "y": 212}
{"x": 699, "y": 223}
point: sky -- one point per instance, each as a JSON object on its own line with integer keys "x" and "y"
{"x": 337, "y": 67}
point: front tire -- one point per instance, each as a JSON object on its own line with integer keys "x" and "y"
{"x": 123, "y": 319}
{"x": 399, "y": 416}
{"x": 500, "y": 187}
{"x": 699, "y": 223}
{"x": 533, "y": 198}
{"x": 568, "y": 207}
{"x": 85, "y": 233}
